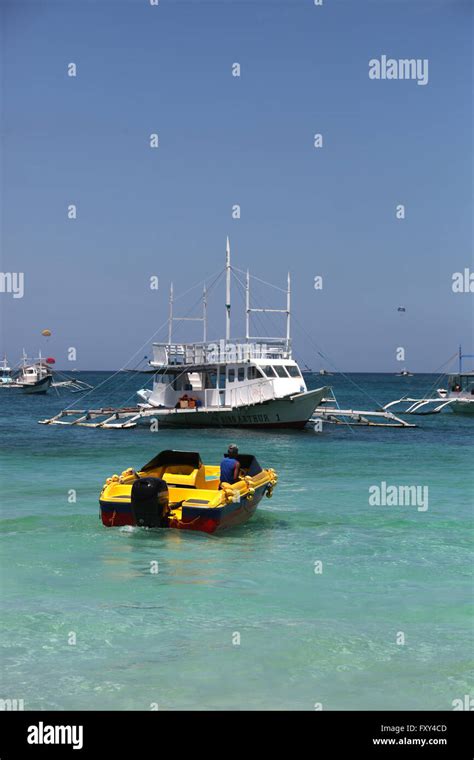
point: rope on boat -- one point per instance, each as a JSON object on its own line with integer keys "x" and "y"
{"x": 150, "y": 339}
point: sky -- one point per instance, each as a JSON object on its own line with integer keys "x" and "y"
{"x": 225, "y": 140}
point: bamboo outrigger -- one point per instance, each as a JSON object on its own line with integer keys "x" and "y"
{"x": 458, "y": 396}
{"x": 356, "y": 417}
{"x": 130, "y": 415}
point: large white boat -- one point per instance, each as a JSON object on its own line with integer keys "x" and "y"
{"x": 247, "y": 382}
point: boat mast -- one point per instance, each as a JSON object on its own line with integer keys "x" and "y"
{"x": 227, "y": 291}
{"x": 288, "y": 316}
{"x": 247, "y": 306}
{"x": 204, "y": 314}
{"x": 170, "y": 317}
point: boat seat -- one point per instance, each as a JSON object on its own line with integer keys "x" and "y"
{"x": 177, "y": 479}
{"x": 185, "y": 476}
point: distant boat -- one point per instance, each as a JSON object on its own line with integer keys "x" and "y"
{"x": 458, "y": 396}
{"x": 324, "y": 372}
{"x": 405, "y": 373}
{"x": 34, "y": 376}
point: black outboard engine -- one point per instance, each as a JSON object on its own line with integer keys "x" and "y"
{"x": 150, "y": 502}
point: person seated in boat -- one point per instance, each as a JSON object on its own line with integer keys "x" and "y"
{"x": 230, "y": 465}
{"x": 182, "y": 402}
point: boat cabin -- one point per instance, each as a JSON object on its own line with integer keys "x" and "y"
{"x": 461, "y": 383}
{"x": 5, "y": 373}
{"x": 223, "y": 380}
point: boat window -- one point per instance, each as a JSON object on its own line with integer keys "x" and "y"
{"x": 241, "y": 373}
{"x": 269, "y": 371}
{"x": 292, "y": 370}
{"x": 231, "y": 375}
{"x": 253, "y": 373}
{"x": 280, "y": 370}
{"x": 209, "y": 380}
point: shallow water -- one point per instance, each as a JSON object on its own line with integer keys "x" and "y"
{"x": 305, "y": 637}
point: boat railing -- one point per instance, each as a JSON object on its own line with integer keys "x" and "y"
{"x": 255, "y": 393}
{"x": 223, "y": 351}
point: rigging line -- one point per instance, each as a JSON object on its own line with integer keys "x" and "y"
{"x": 253, "y": 277}
{"x": 257, "y": 317}
{"x": 139, "y": 350}
{"x": 217, "y": 274}
{"x": 443, "y": 374}
{"x": 178, "y": 319}
{"x": 344, "y": 420}
{"x": 321, "y": 353}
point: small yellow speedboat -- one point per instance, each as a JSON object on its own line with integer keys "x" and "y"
{"x": 176, "y": 490}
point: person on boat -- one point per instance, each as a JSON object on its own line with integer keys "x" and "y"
{"x": 230, "y": 465}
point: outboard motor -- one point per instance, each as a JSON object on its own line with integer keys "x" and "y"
{"x": 150, "y": 502}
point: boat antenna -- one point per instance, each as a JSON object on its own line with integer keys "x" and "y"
{"x": 227, "y": 290}
{"x": 204, "y": 314}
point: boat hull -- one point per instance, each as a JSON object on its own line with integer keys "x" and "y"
{"x": 205, "y": 520}
{"x": 292, "y": 412}
{"x": 462, "y": 407}
{"x": 41, "y": 386}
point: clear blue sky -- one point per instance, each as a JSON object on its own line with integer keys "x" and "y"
{"x": 247, "y": 140}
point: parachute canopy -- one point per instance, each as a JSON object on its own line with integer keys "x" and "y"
{"x": 50, "y": 360}
{"x": 46, "y": 333}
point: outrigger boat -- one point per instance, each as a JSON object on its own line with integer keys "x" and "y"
{"x": 248, "y": 382}
{"x": 176, "y": 490}
{"x": 458, "y": 396}
{"x": 33, "y": 376}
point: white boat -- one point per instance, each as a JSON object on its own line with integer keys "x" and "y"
{"x": 404, "y": 373}
{"x": 248, "y": 382}
{"x": 459, "y": 393}
{"x": 458, "y": 397}
{"x": 33, "y": 376}
{"x": 7, "y": 379}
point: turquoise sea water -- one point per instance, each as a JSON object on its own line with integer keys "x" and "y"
{"x": 305, "y": 638}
